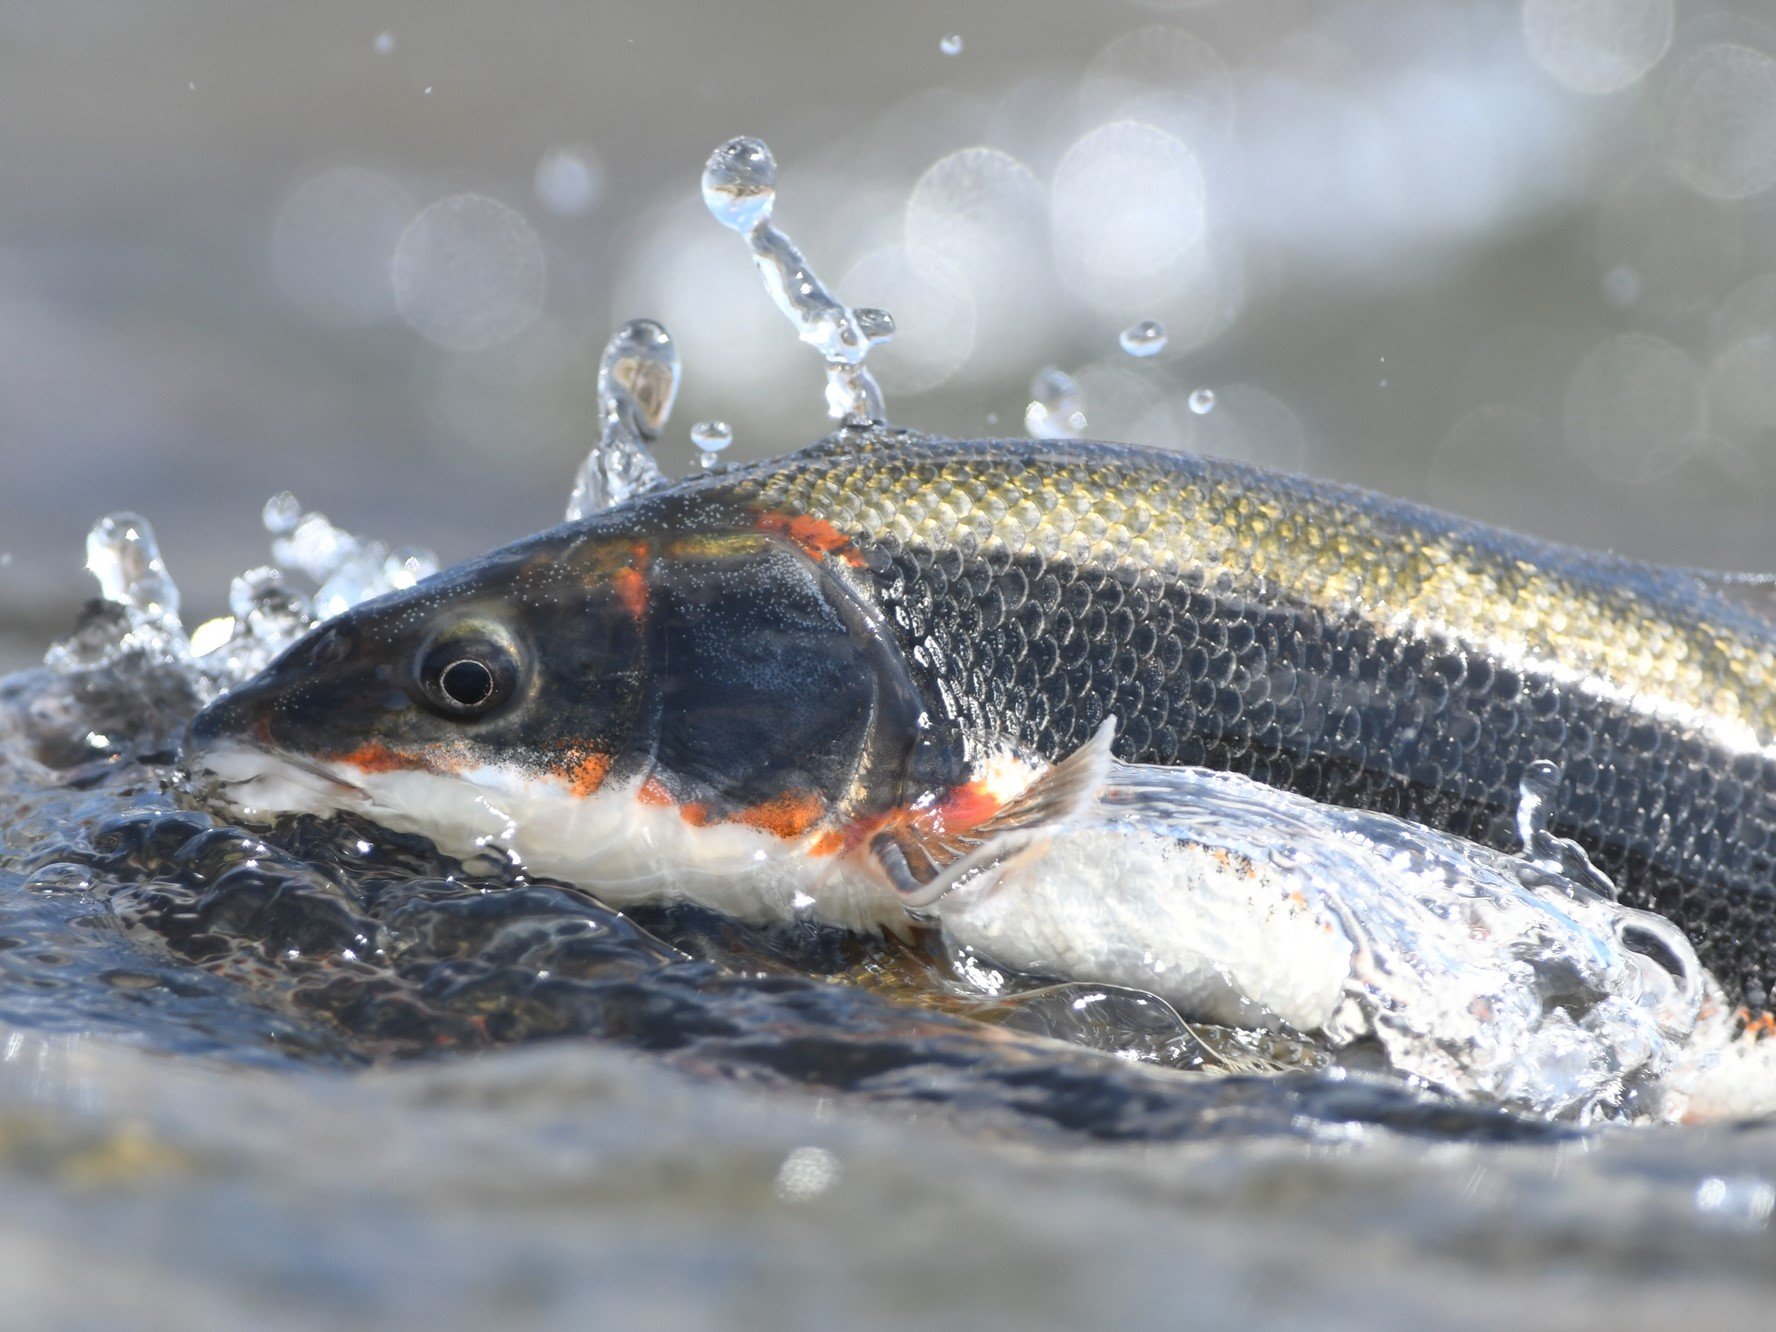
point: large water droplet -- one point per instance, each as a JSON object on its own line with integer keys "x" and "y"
{"x": 740, "y": 183}
{"x": 1147, "y": 338}
{"x": 637, "y": 383}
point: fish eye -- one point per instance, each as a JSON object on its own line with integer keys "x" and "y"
{"x": 467, "y": 672}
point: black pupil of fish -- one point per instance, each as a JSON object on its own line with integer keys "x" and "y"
{"x": 466, "y": 683}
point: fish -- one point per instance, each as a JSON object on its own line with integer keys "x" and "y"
{"x": 837, "y": 684}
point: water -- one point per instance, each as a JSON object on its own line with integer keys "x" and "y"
{"x": 326, "y": 1074}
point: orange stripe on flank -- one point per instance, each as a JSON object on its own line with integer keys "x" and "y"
{"x": 815, "y": 536}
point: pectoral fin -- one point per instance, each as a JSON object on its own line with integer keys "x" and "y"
{"x": 929, "y": 853}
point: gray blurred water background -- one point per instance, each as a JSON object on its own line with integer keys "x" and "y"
{"x": 1515, "y": 258}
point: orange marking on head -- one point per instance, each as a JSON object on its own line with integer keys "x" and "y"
{"x": 787, "y": 815}
{"x": 586, "y": 773}
{"x": 830, "y": 843}
{"x": 372, "y": 756}
{"x": 632, "y": 590}
{"x": 815, "y": 536}
{"x": 653, "y": 792}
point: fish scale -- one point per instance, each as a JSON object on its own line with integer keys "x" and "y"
{"x": 1354, "y": 649}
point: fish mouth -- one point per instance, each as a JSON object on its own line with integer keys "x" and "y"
{"x": 256, "y": 783}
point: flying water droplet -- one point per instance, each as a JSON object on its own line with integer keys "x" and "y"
{"x": 740, "y": 183}
{"x": 1147, "y": 338}
{"x": 740, "y": 189}
{"x": 281, "y": 513}
{"x": 951, "y": 44}
{"x": 711, "y": 437}
{"x": 1056, "y": 410}
{"x": 637, "y": 383}
{"x": 122, "y": 554}
{"x": 1202, "y": 401}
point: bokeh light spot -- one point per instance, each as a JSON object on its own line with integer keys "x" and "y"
{"x": 468, "y": 272}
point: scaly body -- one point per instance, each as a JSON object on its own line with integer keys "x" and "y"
{"x": 850, "y": 661}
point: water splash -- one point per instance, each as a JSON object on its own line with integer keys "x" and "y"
{"x": 1147, "y": 338}
{"x": 637, "y": 384}
{"x": 266, "y": 612}
{"x": 740, "y": 190}
{"x": 1472, "y": 970}
{"x": 1057, "y": 409}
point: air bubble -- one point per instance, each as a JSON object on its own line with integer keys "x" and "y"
{"x": 951, "y": 44}
{"x": 1202, "y": 401}
{"x": 384, "y": 43}
{"x": 1147, "y": 338}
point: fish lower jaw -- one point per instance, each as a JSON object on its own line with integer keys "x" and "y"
{"x": 627, "y": 852}
{"x": 257, "y": 785}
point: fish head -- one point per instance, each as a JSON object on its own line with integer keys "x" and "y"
{"x": 647, "y": 696}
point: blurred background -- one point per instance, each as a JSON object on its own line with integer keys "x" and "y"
{"x": 1515, "y": 257}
